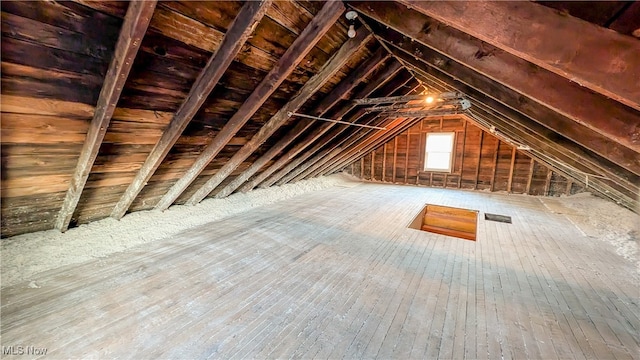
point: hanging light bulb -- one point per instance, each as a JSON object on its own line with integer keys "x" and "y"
{"x": 429, "y": 99}
{"x": 351, "y": 17}
{"x": 352, "y": 31}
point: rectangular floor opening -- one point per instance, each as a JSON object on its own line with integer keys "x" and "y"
{"x": 445, "y": 220}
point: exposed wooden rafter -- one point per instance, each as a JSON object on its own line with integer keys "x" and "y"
{"x": 296, "y": 166}
{"x": 597, "y": 58}
{"x": 346, "y": 85}
{"x": 314, "y": 31}
{"x": 526, "y": 132}
{"x": 597, "y": 123}
{"x": 133, "y": 29}
{"x": 365, "y": 142}
{"x": 388, "y": 72}
{"x": 281, "y": 117}
{"x": 623, "y": 178}
{"x": 371, "y": 140}
{"x": 532, "y": 110}
{"x": 238, "y": 33}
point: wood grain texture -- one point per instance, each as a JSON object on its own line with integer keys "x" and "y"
{"x": 346, "y": 85}
{"x": 490, "y": 164}
{"x": 554, "y": 91}
{"x": 293, "y": 55}
{"x": 336, "y": 273}
{"x": 589, "y": 138}
{"x": 601, "y": 60}
{"x": 133, "y": 29}
{"x": 270, "y": 176}
{"x": 336, "y": 62}
{"x": 240, "y": 30}
{"x": 625, "y": 191}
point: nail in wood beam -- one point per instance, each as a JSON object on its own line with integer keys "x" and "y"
{"x": 319, "y": 25}
{"x": 329, "y": 69}
{"x": 597, "y": 58}
{"x": 238, "y": 33}
{"x": 475, "y": 183}
{"x": 136, "y": 22}
{"x": 511, "y": 168}
{"x": 530, "y": 178}
{"x": 346, "y": 85}
{"x": 495, "y": 166}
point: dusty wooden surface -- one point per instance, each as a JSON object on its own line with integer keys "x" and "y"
{"x": 336, "y": 274}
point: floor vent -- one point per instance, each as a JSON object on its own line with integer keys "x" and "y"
{"x": 444, "y": 220}
{"x": 498, "y": 218}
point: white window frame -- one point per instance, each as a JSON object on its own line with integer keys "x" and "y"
{"x": 439, "y": 151}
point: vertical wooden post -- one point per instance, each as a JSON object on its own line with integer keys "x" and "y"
{"x": 513, "y": 162}
{"x": 547, "y": 184}
{"x": 406, "y": 158}
{"x": 495, "y": 166}
{"x": 569, "y": 185}
{"x": 475, "y": 184}
{"x": 384, "y": 161}
{"x": 528, "y": 188}
{"x": 446, "y": 178}
{"x": 362, "y": 167}
{"x": 421, "y": 149}
{"x": 431, "y": 179}
{"x": 373, "y": 164}
{"x": 464, "y": 140}
{"x": 395, "y": 158}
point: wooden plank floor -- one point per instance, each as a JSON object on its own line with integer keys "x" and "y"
{"x": 336, "y": 274}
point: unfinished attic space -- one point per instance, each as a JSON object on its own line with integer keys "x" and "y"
{"x": 320, "y": 179}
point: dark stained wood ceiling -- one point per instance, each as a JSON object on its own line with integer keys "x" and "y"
{"x": 161, "y": 135}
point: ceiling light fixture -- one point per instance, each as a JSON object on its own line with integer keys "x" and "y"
{"x": 351, "y": 17}
{"x": 429, "y": 99}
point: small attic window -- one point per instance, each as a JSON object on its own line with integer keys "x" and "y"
{"x": 438, "y": 152}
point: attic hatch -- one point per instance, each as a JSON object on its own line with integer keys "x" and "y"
{"x": 445, "y": 220}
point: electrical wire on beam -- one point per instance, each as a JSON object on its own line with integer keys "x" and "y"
{"x": 290, "y": 114}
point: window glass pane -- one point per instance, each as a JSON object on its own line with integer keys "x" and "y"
{"x": 437, "y": 160}
{"x": 439, "y": 142}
